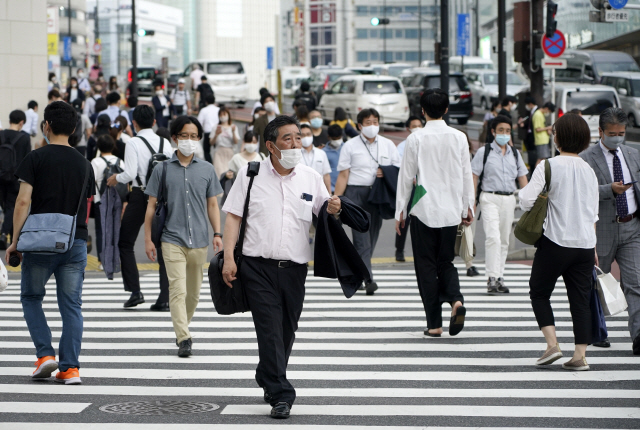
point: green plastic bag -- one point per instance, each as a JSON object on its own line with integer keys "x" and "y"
{"x": 529, "y": 228}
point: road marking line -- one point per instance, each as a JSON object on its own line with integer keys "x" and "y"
{"x": 42, "y": 408}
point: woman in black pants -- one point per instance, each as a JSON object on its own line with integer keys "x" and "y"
{"x": 567, "y": 247}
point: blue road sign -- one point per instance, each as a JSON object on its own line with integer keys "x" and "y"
{"x": 464, "y": 22}
{"x": 269, "y": 57}
{"x": 554, "y": 46}
{"x": 67, "y": 49}
{"x": 618, "y": 4}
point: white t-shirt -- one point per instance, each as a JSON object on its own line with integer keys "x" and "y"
{"x": 363, "y": 158}
{"x": 226, "y": 138}
{"x": 99, "y": 165}
{"x": 237, "y": 162}
{"x": 208, "y": 117}
{"x": 180, "y": 98}
{"x": 317, "y": 160}
{"x": 86, "y": 125}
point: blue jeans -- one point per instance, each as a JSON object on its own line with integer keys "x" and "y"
{"x": 68, "y": 269}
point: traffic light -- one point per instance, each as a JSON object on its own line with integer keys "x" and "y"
{"x": 142, "y": 32}
{"x": 552, "y": 24}
{"x": 375, "y": 21}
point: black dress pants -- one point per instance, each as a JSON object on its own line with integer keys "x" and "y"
{"x": 575, "y": 265}
{"x": 132, "y": 221}
{"x": 433, "y": 254}
{"x": 206, "y": 147}
{"x": 275, "y": 297}
{"x": 8, "y": 197}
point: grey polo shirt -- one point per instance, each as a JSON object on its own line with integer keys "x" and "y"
{"x": 188, "y": 189}
{"x": 501, "y": 171}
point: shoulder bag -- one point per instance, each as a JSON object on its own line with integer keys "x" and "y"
{"x": 227, "y": 300}
{"x": 51, "y": 232}
{"x": 160, "y": 217}
{"x": 530, "y": 227}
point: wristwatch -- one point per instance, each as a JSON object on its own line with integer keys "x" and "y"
{"x": 217, "y": 235}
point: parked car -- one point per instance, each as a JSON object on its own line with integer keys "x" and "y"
{"x": 462, "y": 64}
{"x": 627, "y": 85}
{"x": 322, "y": 78}
{"x": 226, "y": 77}
{"x": 147, "y": 76}
{"x": 590, "y": 65}
{"x": 484, "y": 86}
{"x": 362, "y": 70}
{"x": 460, "y": 104}
{"x": 390, "y": 69}
{"x": 292, "y": 77}
{"x": 356, "y": 92}
{"x": 172, "y": 80}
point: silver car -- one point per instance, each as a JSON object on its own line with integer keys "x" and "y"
{"x": 627, "y": 85}
{"x": 484, "y": 86}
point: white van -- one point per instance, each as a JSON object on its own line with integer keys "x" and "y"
{"x": 460, "y": 64}
{"x": 292, "y": 77}
{"x": 354, "y": 93}
{"x": 226, "y": 77}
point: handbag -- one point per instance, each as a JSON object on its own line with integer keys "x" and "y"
{"x": 160, "y": 217}
{"x": 530, "y": 226}
{"x": 51, "y": 232}
{"x": 464, "y": 247}
{"x": 226, "y": 300}
{"x": 598, "y": 324}
{"x": 611, "y": 295}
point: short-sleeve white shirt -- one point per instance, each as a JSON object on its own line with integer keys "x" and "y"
{"x": 363, "y": 158}
{"x": 317, "y": 160}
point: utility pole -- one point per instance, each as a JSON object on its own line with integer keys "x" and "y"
{"x": 96, "y": 28}
{"x": 134, "y": 51}
{"x": 444, "y": 49}
{"x": 477, "y": 27}
{"x": 384, "y": 33}
{"x": 502, "y": 50}
{"x": 419, "y": 32}
{"x": 70, "y": 39}
{"x": 536, "y": 75}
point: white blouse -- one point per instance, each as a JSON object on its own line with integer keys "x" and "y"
{"x": 573, "y": 201}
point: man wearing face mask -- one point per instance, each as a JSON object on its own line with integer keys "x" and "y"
{"x": 190, "y": 193}
{"x": 617, "y": 168}
{"x": 285, "y": 196}
{"x": 162, "y": 105}
{"x": 541, "y": 131}
{"x": 83, "y": 82}
{"x": 509, "y": 104}
{"x": 314, "y": 157}
{"x": 269, "y": 104}
{"x": 332, "y": 150}
{"x": 319, "y": 131}
{"x": 359, "y": 165}
{"x": 495, "y": 169}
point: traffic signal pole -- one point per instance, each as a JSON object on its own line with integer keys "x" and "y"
{"x": 502, "y": 50}
{"x": 444, "y": 49}
{"x": 535, "y": 71}
{"x": 134, "y": 51}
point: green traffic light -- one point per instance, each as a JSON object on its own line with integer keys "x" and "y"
{"x": 375, "y": 21}
{"x": 142, "y": 32}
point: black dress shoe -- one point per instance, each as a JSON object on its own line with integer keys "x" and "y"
{"x": 267, "y": 396}
{"x": 135, "y": 299}
{"x": 3, "y": 242}
{"x": 636, "y": 345}
{"x": 370, "y": 288}
{"x": 604, "y": 344}
{"x": 185, "y": 348}
{"x": 281, "y": 410}
{"x": 472, "y": 271}
{"x": 400, "y": 256}
{"x": 160, "y": 307}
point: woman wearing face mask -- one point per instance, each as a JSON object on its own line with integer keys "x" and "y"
{"x": 53, "y": 82}
{"x": 247, "y": 154}
{"x": 73, "y": 92}
{"x": 318, "y": 129}
{"x": 495, "y": 169}
{"x": 224, "y": 140}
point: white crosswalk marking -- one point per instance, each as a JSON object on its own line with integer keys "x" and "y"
{"x": 363, "y": 363}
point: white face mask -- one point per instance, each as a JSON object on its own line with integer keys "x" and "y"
{"x": 224, "y": 119}
{"x": 270, "y": 106}
{"x": 514, "y": 107}
{"x": 335, "y": 143}
{"x": 159, "y": 92}
{"x": 74, "y": 85}
{"x": 413, "y": 130}
{"x": 251, "y": 147}
{"x": 289, "y": 158}
{"x": 187, "y": 147}
{"x": 81, "y": 75}
{"x": 307, "y": 141}
{"x": 370, "y": 131}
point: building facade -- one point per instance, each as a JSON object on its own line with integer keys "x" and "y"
{"x": 66, "y": 20}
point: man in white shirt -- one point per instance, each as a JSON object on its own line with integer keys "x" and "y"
{"x": 314, "y": 157}
{"x": 136, "y": 165}
{"x": 208, "y": 117}
{"x": 439, "y": 156}
{"x": 181, "y": 99}
{"x": 90, "y": 103}
{"x": 359, "y": 166}
{"x": 31, "y": 125}
{"x": 284, "y": 197}
{"x": 195, "y": 76}
{"x": 83, "y": 82}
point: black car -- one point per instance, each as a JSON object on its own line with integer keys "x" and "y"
{"x": 460, "y": 102}
{"x": 147, "y": 77}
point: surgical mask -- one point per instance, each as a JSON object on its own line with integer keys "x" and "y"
{"x": 187, "y": 147}
{"x": 413, "y": 130}
{"x": 159, "y": 92}
{"x": 335, "y": 143}
{"x": 307, "y": 141}
{"x": 289, "y": 158}
{"x": 74, "y": 85}
{"x": 81, "y": 75}
{"x": 370, "y": 131}
{"x": 251, "y": 147}
{"x": 224, "y": 119}
{"x": 256, "y": 115}
{"x": 270, "y": 106}
{"x": 612, "y": 142}
{"x": 514, "y": 107}
{"x": 502, "y": 139}
{"x": 316, "y": 122}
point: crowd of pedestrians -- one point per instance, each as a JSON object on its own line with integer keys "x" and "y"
{"x": 124, "y": 172}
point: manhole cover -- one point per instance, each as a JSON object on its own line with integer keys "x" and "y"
{"x": 159, "y": 407}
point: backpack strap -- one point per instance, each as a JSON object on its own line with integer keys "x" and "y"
{"x": 84, "y": 188}
{"x": 487, "y": 149}
{"x": 152, "y": 154}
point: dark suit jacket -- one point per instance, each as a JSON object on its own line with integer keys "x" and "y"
{"x": 258, "y": 130}
{"x": 159, "y": 107}
{"x": 81, "y": 95}
{"x": 334, "y": 254}
{"x": 606, "y": 227}
{"x": 383, "y": 192}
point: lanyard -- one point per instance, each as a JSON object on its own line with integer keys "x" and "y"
{"x": 304, "y": 157}
{"x": 369, "y": 151}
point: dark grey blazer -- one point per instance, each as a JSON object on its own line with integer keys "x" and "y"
{"x": 606, "y": 227}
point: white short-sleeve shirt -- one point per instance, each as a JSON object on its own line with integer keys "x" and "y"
{"x": 363, "y": 158}
{"x": 317, "y": 160}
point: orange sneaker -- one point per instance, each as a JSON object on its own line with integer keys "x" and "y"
{"x": 70, "y": 377}
{"x": 44, "y": 367}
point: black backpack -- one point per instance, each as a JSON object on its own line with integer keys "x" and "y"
{"x": 156, "y": 158}
{"x": 113, "y": 169}
{"x": 8, "y": 158}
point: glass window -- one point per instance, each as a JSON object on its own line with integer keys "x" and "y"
{"x": 398, "y": 56}
{"x": 411, "y": 33}
{"x": 428, "y": 33}
{"x": 373, "y": 55}
{"x": 382, "y": 87}
{"x": 373, "y": 10}
{"x": 335, "y": 89}
{"x": 328, "y": 36}
{"x": 406, "y": 80}
{"x": 456, "y": 83}
{"x": 411, "y": 9}
{"x": 348, "y": 87}
{"x": 314, "y": 37}
{"x": 417, "y": 80}
{"x": 373, "y": 33}
{"x": 635, "y": 88}
{"x": 362, "y": 10}
{"x": 624, "y": 84}
{"x": 616, "y": 66}
{"x": 389, "y": 58}
{"x": 590, "y": 102}
{"x": 411, "y": 56}
{"x": 588, "y": 72}
{"x": 491, "y": 79}
{"x": 231, "y": 68}
{"x": 362, "y": 56}
{"x": 388, "y": 33}
{"x": 398, "y": 34}
{"x": 362, "y": 33}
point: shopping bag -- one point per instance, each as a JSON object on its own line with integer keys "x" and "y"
{"x": 464, "y": 243}
{"x": 4, "y": 277}
{"x": 598, "y": 324}
{"x": 611, "y": 295}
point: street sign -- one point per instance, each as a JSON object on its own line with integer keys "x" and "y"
{"x": 462, "y": 47}
{"x": 552, "y": 63}
{"x": 97, "y": 48}
{"x": 66, "y": 56}
{"x": 554, "y": 46}
{"x": 269, "y": 57}
{"x": 616, "y": 16}
{"x": 618, "y": 4}
{"x": 52, "y": 44}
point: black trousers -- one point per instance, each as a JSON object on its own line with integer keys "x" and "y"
{"x": 98, "y": 224}
{"x": 275, "y": 297}
{"x": 433, "y": 254}
{"x": 8, "y": 196}
{"x": 206, "y": 146}
{"x": 532, "y": 151}
{"x": 575, "y": 265}
{"x": 132, "y": 221}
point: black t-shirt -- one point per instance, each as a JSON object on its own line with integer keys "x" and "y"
{"x": 204, "y": 90}
{"x": 57, "y": 174}
{"x": 22, "y": 145}
{"x": 322, "y": 138}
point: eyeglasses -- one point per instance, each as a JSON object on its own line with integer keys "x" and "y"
{"x": 187, "y": 136}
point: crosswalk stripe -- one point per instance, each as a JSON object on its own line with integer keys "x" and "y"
{"x": 42, "y": 408}
{"x": 262, "y": 426}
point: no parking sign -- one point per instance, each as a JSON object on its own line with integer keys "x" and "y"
{"x": 554, "y": 46}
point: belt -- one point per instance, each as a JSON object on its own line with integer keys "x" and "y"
{"x": 500, "y": 193}
{"x": 281, "y": 264}
{"x": 360, "y": 186}
{"x": 623, "y": 219}
{"x": 138, "y": 188}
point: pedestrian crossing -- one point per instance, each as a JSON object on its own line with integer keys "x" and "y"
{"x": 359, "y": 363}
